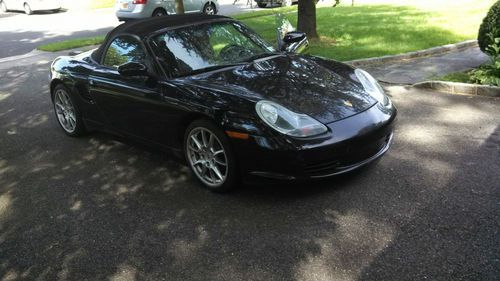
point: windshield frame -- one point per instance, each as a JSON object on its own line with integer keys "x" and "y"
{"x": 263, "y": 43}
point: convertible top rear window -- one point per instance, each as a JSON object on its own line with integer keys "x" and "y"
{"x": 190, "y": 49}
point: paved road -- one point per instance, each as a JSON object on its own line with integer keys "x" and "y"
{"x": 20, "y": 33}
{"x": 97, "y": 207}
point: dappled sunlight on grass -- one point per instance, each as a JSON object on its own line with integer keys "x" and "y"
{"x": 375, "y": 30}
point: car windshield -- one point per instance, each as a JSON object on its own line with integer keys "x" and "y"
{"x": 203, "y": 47}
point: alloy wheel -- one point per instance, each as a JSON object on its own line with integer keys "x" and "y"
{"x": 209, "y": 9}
{"x": 65, "y": 111}
{"x": 207, "y": 157}
{"x": 159, "y": 13}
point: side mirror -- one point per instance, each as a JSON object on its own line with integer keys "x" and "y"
{"x": 295, "y": 42}
{"x": 293, "y": 37}
{"x": 133, "y": 69}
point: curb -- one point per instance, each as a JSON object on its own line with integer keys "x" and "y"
{"x": 37, "y": 52}
{"x": 460, "y": 88}
{"x": 416, "y": 54}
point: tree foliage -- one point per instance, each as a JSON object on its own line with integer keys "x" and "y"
{"x": 491, "y": 23}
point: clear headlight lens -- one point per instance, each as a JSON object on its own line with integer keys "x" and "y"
{"x": 288, "y": 122}
{"x": 372, "y": 86}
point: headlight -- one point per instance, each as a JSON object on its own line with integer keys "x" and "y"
{"x": 372, "y": 86}
{"x": 288, "y": 122}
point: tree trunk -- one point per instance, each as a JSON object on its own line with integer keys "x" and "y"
{"x": 179, "y": 6}
{"x": 306, "y": 20}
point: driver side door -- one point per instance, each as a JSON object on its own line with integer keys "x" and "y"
{"x": 132, "y": 105}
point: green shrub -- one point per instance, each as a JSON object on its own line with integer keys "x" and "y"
{"x": 489, "y": 74}
{"x": 490, "y": 22}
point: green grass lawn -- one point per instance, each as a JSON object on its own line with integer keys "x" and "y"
{"x": 462, "y": 77}
{"x": 71, "y": 44}
{"x": 99, "y": 4}
{"x": 380, "y": 27}
{"x": 371, "y": 28}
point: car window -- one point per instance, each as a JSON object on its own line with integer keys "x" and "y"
{"x": 122, "y": 50}
{"x": 224, "y": 36}
{"x": 185, "y": 50}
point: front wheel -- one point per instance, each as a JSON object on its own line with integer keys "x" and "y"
{"x": 209, "y": 9}
{"x": 262, "y": 5}
{"x": 210, "y": 156}
{"x": 27, "y": 9}
{"x": 67, "y": 112}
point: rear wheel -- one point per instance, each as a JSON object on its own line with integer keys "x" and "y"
{"x": 209, "y": 9}
{"x": 159, "y": 13}
{"x": 67, "y": 112}
{"x": 262, "y": 5}
{"x": 3, "y": 7}
{"x": 27, "y": 9}
{"x": 210, "y": 156}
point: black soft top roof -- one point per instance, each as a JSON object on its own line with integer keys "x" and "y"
{"x": 144, "y": 27}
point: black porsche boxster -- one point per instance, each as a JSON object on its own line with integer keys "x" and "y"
{"x": 211, "y": 91}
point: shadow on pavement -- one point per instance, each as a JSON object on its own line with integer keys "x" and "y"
{"x": 97, "y": 208}
{"x": 21, "y": 42}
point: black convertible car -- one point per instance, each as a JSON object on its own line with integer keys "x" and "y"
{"x": 213, "y": 92}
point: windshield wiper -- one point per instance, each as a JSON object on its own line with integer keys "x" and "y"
{"x": 261, "y": 55}
{"x": 219, "y": 66}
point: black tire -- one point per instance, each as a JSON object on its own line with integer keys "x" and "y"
{"x": 3, "y": 7}
{"x": 261, "y": 5}
{"x": 27, "y": 9}
{"x": 159, "y": 13}
{"x": 80, "y": 126}
{"x": 209, "y": 9}
{"x": 232, "y": 174}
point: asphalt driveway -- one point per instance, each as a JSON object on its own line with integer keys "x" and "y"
{"x": 98, "y": 208}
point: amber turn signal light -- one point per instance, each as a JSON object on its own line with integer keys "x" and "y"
{"x": 236, "y": 135}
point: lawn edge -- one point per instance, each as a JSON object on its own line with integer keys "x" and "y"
{"x": 459, "y": 88}
{"x": 69, "y": 42}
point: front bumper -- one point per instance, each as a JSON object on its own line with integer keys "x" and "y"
{"x": 269, "y": 1}
{"x": 352, "y": 143}
{"x": 139, "y": 12}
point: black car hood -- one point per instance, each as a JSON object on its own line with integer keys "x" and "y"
{"x": 302, "y": 84}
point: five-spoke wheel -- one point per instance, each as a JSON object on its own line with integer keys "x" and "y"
{"x": 209, "y": 9}
{"x": 209, "y": 155}
{"x": 66, "y": 112}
